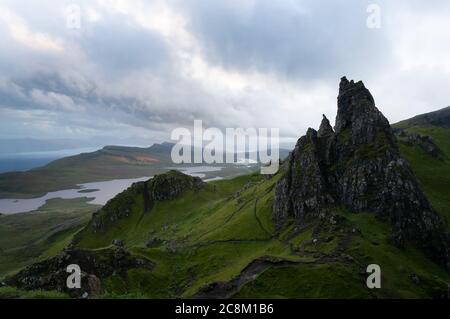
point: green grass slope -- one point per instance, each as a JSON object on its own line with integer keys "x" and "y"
{"x": 27, "y": 238}
{"x": 433, "y": 174}
{"x": 221, "y": 242}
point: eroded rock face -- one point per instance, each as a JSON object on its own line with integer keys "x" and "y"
{"x": 359, "y": 166}
{"x": 325, "y": 129}
{"x": 304, "y": 179}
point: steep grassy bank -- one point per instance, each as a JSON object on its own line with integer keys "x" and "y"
{"x": 433, "y": 174}
{"x": 27, "y": 238}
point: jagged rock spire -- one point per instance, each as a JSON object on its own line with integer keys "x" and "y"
{"x": 325, "y": 128}
{"x": 359, "y": 167}
{"x": 355, "y": 100}
{"x": 358, "y": 117}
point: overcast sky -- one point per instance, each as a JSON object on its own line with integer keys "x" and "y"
{"x": 135, "y": 70}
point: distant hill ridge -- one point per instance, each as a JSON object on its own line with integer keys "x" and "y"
{"x": 440, "y": 118}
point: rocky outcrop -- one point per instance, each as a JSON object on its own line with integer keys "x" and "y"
{"x": 95, "y": 266}
{"x": 160, "y": 188}
{"x": 426, "y": 143}
{"x": 359, "y": 166}
{"x": 171, "y": 185}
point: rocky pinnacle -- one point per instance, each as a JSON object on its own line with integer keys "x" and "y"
{"x": 359, "y": 166}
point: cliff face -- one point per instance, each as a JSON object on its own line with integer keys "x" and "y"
{"x": 359, "y": 166}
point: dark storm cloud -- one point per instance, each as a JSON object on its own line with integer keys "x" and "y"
{"x": 306, "y": 39}
{"x": 118, "y": 48}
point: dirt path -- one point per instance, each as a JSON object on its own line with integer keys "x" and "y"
{"x": 255, "y": 213}
{"x": 225, "y": 290}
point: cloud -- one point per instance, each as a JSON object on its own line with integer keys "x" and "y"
{"x": 141, "y": 68}
{"x": 20, "y": 32}
{"x": 54, "y": 100}
{"x": 119, "y": 46}
{"x": 294, "y": 39}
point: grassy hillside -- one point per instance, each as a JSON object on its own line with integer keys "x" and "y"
{"x": 439, "y": 118}
{"x": 220, "y": 242}
{"x": 433, "y": 174}
{"x": 27, "y": 238}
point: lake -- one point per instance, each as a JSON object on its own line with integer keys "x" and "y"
{"x": 100, "y": 192}
{"x": 198, "y": 171}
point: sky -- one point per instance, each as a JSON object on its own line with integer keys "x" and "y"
{"x": 130, "y": 71}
